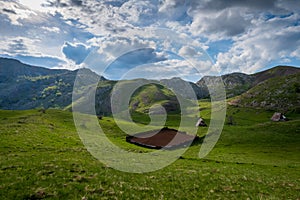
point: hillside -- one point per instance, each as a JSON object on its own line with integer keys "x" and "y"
{"x": 278, "y": 71}
{"x": 235, "y": 83}
{"x": 279, "y": 93}
{"x": 148, "y": 95}
{"x": 238, "y": 83}
{"x": 25, "y": 87}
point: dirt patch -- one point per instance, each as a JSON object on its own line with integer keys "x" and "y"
{"x": 164, "y": 138}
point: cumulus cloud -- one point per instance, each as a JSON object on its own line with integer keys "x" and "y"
{"x": 17, "y": 46}
{"x": 188, "y": 51}
{"x": 258, "y": 33}
{"x": 24, "y": 49}
{"x": 174, "y": 10}
{"x": 220, "y": 24}
{"x": 217, "y": 19}
{"x": 35, "y": 36}
{"x": 15, "y": 12}
{"x": 262, "y": 45}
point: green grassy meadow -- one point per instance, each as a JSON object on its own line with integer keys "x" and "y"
{"x": 42, "y": 157}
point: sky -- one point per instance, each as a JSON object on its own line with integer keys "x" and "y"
{"x": 124, "y": 39}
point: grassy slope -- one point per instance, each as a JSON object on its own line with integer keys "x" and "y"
{"x": 280, "y": 93}
{"x": 43, "y": 157}
{"x": 148, "y": 95}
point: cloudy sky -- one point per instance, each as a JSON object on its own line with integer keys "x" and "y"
{"x": 160, "y": 38}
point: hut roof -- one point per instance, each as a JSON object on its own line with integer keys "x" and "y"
{"x": 164, "y": 138}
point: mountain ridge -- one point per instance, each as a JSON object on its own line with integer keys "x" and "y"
{"x": 237, "y": 83}
{"x": 24, "y": 86}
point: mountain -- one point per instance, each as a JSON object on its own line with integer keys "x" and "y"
{"x": 11, "y": 69}
{"x": 26, "y": 87}
{"x": 238, "y": 83}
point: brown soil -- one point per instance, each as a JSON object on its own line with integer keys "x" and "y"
{"x": 164, "y": 138}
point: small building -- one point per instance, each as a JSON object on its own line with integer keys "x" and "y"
{"x": 201, "y": 122}
{"x": 278, "y": 117}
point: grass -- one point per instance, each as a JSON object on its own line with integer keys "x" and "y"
{"x": 42, "y": 157}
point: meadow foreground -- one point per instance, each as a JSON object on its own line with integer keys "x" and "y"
{"x": 42, "y": 157}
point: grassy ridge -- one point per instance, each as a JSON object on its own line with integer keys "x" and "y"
{"x": 42, "y": 157}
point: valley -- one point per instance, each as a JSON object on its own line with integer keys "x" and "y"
{"x": 43, "y": 157}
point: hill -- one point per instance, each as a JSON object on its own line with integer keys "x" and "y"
{"x": 278, "y": 93}
{"x": 151, "y": 94}
{"x": 25, "y": 87}
{"x": 238, "y": 83}
{"x": 278, "y": 71}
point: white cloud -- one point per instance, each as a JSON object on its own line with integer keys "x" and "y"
{"x": 173, "y": 9}
{"x": 16, "y": 12}
{"x": 51, "y": 29}
{"x": 259, "y": 32}
{"x": 187, "y": 51}
{"x": 221, "y": 24}
{"x": 274, "y": 40}
{"x": 19, "y": 45}
{"x": 35, "y": 5}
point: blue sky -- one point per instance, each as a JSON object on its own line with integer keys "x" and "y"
{"x": 209, "y": 36}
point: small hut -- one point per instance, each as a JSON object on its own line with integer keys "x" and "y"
{"x": 278, "y": 117}
{"x": 201, "y": 122}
